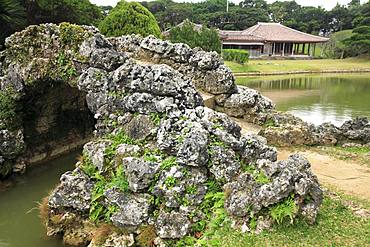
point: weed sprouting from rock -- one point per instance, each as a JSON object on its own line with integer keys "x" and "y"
{"x": 284, "y": 209}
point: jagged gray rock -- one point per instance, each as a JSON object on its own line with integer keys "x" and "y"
{"x": 95, "y": 151}
{"x": 247, "y": 196}
{"x": 133, "y": 209}
{"x": 246, "y": 102}
{"x": 286, "y": 130}
{"x": 172, "y": 225}
{"x": 357, "y": 129}
{"x": 74, "y": 191}
{"x": 139, "y": 173}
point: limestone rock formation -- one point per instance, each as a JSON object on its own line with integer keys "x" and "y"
{"x": 160, "y": 161}
{"x": 205, "y": 69}
{"x": 215, "y": 81}
{"x": 42, "y": 113}
{"x": 283, "y": 129}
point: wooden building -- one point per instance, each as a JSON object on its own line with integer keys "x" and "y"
{"x": 272, "y": 39}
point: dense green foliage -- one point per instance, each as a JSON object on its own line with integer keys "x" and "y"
{"x": 57, "y": 11}
{"x": 16, "y": 14}
{"x": 234, "y": 55}
{"x": 111, "y": 176}
{"x": 336, "y": 225}
{"x": 129, "y": 18}
{"x": 12, "y": 18}
{"x": 359, "y": 42}
{"x": 335, "y": 48}
{"x": 205, "y": 38}
{"x": 8, "y": 108}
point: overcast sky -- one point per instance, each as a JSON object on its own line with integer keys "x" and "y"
{"x": 328, "y": 4}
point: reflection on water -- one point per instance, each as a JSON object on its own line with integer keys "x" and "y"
{"x": 20, "y": 225}
{"x": 317, "y": 98}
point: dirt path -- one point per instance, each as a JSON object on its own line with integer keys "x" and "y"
{"x": 346, "y": 176}
{"x": 349, "y": 177}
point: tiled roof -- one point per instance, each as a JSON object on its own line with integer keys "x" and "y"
{"x": 238, "y": 36}
{"x": 270, "y": 32}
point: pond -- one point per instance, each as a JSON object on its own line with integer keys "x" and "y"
{"x": 316, "y": 98}
{"x": 20, "y": 224}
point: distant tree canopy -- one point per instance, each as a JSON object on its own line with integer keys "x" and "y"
{"x": 205, "y": 38}
{"x": 129, "y": 18}
{"x": 57, "y": 11}
{"x": 16, "y": 14}
{"x": 248, "y": 12}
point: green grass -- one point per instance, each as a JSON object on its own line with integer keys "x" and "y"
{"x": 356, "y": 150}
{"x": 355, "y": 154}
{"x": 336, "y": 226}
{"x": 299, "y": 65}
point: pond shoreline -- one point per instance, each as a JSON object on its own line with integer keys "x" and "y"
{"x": 316, "y": 98}
{"x": 300, "y": 72}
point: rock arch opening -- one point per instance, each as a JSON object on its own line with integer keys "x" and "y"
{"x": 55, "y": 120}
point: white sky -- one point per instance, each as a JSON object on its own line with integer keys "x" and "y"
{"x": 328, "y": 4}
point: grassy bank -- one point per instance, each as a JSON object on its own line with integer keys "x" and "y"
{"x": 276, "y": 66}
{"x": 336, "y": 225}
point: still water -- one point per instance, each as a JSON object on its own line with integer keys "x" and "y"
{"x": 19, "y": 222}
{"x": 317, "y": 98}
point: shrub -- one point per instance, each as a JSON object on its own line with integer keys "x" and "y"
{"x": 129, "y": 18}
{"x": 359, "y": 42}
{"x": 239, "y": 56}
{"x": 204, "y": 37}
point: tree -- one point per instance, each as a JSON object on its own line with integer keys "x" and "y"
{"x": 169, "y": 13}
{"x": 12, "y": 18}
{"x": 206, "y": 38}
{"x": 129, "y": 18}
{"x": 285, "y": 12}
{"x": 312, "y": 20}
{"x": 236, "y": 19}
{"x": 56, "y": 11}
{"x": 257, "y": 4}
{"x": 359, "y": 42}
{"x": 254, "y": 11}
{"x": 174, "y": 15}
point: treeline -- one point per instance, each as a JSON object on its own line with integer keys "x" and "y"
{"x": 247, "y": 13}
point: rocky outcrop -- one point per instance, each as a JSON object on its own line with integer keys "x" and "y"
{"x": 41, "y": 65}
{"x": 160, "y": 162}
{"x": 42, "y": 113}
{"x": 283, "y": 129}
{"x": 206, "y": 71}
{"x": 216, "y": 83}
